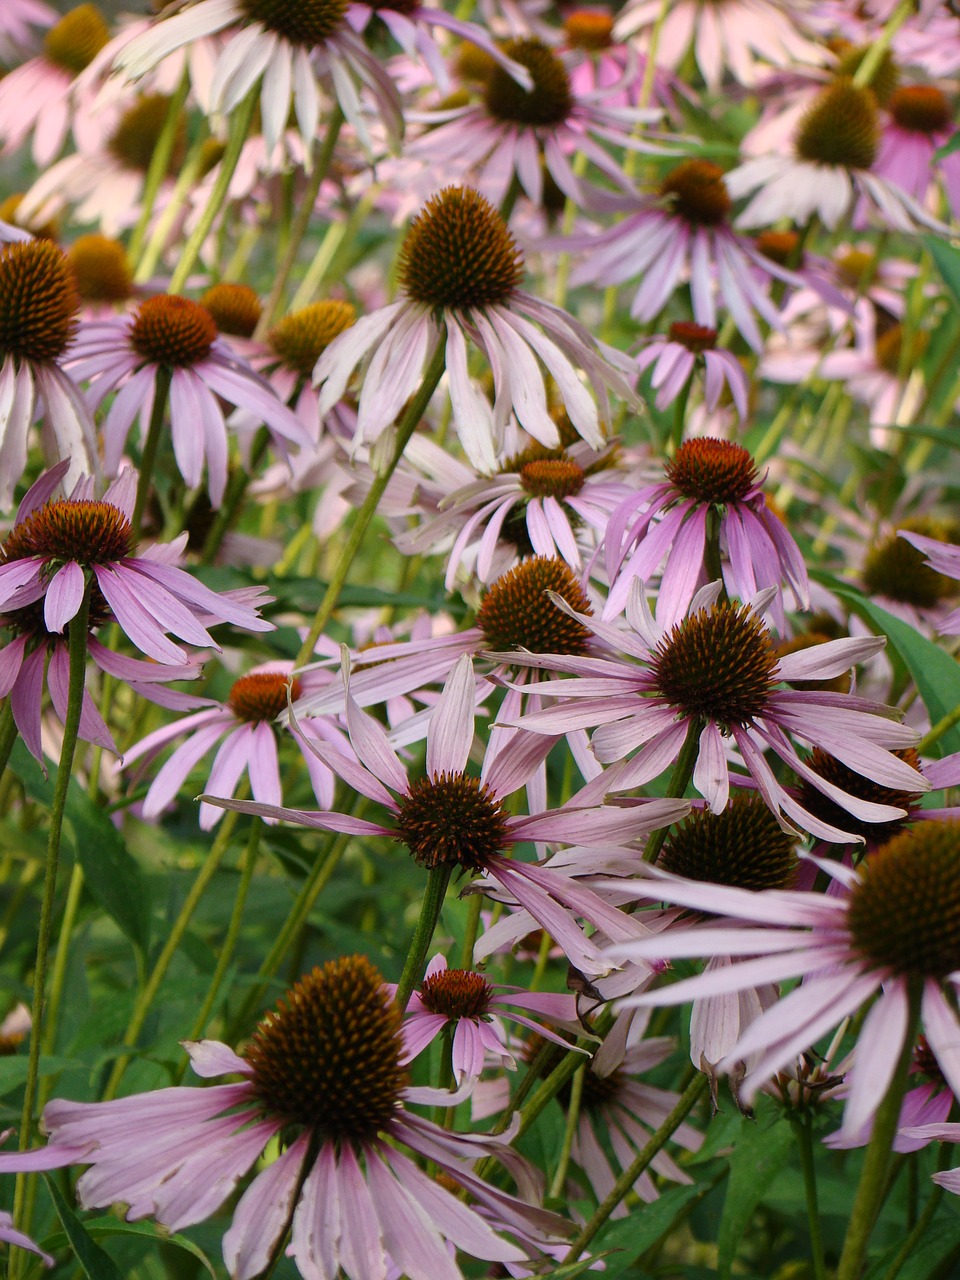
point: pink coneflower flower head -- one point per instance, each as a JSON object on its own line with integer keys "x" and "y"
{"x": 292, "y": 51}
{"x": 449, "y": 818}
{"x": 834, "y": 150}
{"x": 245, "y": 727}
{"x": 460, "y": 273}
{"x": 516, "y": 133}
{"x": 706, "y": 482}
{"x": 735, "y": 36}
{"x": 682, "y": 233}
{"x": 324, "y": 1073}
{"x": 544, "y": 502}
{"x": 126, "y": 353}
{"x": 677, "y": 355}
{"x": 921, "y": 120}
{"x": 35, "y": 98}
{"x": 62, "y": 548}
{"x": 891, "y": 932}
{"x": 464, "y": 1001}
{"x": 38, "y": 323}
{"x": 716, "y": 673}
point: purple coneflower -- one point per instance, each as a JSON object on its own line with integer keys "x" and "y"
{"x": 834, "y": 150}
{"x": 61, "y": 548}
{"x": 944, "y": 558}
{"x": 245, "y": 723}
{"x": 450, "y": 818}
{"x": 929, "y": 1102}
{"x": 728, "y": 37}
{"x": 676, "y": 355}
{"x": 544, "y": 502}
{"x": 506, "y": 136}
{"x": 39, "y": 308}
{"x": 705, "y": 481}
{"x": 460, "y": 272}
{"x": 127, "y": 353}
{"x": 921, "y": 121}
{"x": 891, "y": 932}
{"x": 682, "y": 233}
{"x": 474, "y": 1008}
{"x": 36, "y": 97}
{"x": 717, "y": 675}
{"x": 289, "y": 50}
{"x": 325, "y": 1072}
{"x": 17, "y": 39}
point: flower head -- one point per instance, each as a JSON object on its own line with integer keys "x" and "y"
{"x": 323, "y": 1072}
{"x": 460, "y": 275}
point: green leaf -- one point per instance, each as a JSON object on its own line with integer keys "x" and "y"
{"x": 935, "y": 673}
{"x": 13, "y": 1070}
{"x": 98, "y": 1228}
{"x": 947, "y": 259}
{"x": 761, "y": 1151}
{"x": 948, "y": 148}
{"x": 627, "y": 1238}
{"x": 96, "y": 1264}
{"x": 111, "y": 874}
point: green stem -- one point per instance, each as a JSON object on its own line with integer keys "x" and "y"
{"x": 239, "y": 128}
{"x": 233, "y": 929}
{"x": 680, "y": 414}
{"x": 8, "y": 734}
{"x": 873, "y": 1177}
{"x": 158, "y": 168}
{"x": 712, "y": 563}
{"x": 939, "y": 729}
{"x": 677, "y": 785}
{"x": 473, "y": 928}
{"x": 684, "y": 1105}
{"x": 874, "y": 55}
{"x": 511, "y": 197}
{"x": 78, "y": 664}
{"x": 437, "y": 880}
{"x": 193, "y": 169}
{"x": 300, "y": 224}
{"x": 408, "y": 424}
{"x": 161, "y": 391}
{"x": 804, "y": 1135}
{"x": 177, "y": 930}
{"x": 921, "y": 1226}
{"x": 316, "y": 881}
{"x": 236, "y": 488}
{"x": 569, "y": 1133}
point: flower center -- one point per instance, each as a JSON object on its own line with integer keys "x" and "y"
{"x": 888, "y": 349}
{"x": 452, "y": 820}
{"x": 885, "y": 77}
{"x": 235, "y": 308}
{"x": 695, "y": 337}
{"x": 697, "y": 192}
{"x": 135, "y": 138}
{"x": 172, "y": 330}
{"x": 88, "y": 531}
{"x": 896, "y": 569}
{"x": 262, "y": 695}
{"x": 38, "y": 301}
{"x": 74, "y": 41}
{"x": 552, "y": 478}
{"x": 305, "y": 22}
{"x": 589, "y": 29}
{"x": 778, "y": 246}
{"x": 301, "y": 337}
{"x": 921, "y": 108}
{"x": 459, "y": 253}
{"x": 840, "y": 127}
{"x": 744, "y": 847}
{"x": 926, "y": 1064}
{"x": 904, "y": 913}
{"x": 456, "y": 993}
{"x": 100, "y": 269}
{"x": 395, "y": 6}
{"x": 718, "y": 664}
{"x": 549, "y": 102}
{"x": 328, "y": 1056}
{"x": 516, "y": 612}
{"x": 712, "y": 471}
{"x": 855, "y": 784}
{"x": 855, "y": 265}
